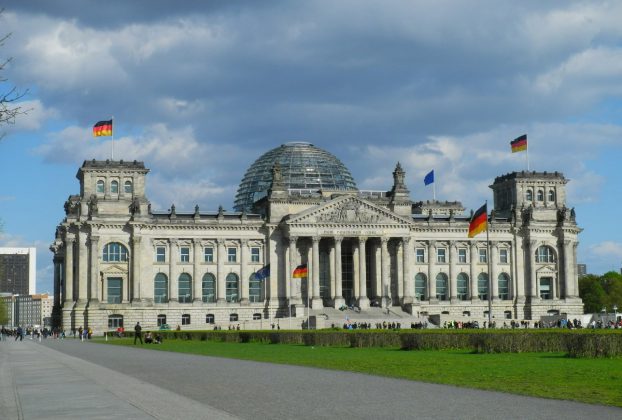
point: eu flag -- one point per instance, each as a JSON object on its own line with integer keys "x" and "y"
{"x": 263, "y": 273}
{"x": 429, "y": 178}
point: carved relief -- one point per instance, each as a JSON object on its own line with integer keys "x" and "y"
{"x": 350, "y": 212}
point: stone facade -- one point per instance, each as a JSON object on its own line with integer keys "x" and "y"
{"x": 118, "y": 261}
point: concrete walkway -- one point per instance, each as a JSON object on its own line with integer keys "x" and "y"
{"x": 64, "y": 379}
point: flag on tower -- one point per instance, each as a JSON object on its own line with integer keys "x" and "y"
{"x": 301, "y": 271}
{"x": 102, "y": 128}
{"x": 519, "y": 144}
{"x": 479, "y": 221}
{"x": 429, "y": 178}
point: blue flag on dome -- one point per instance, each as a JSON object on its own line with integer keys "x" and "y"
{"x": 429, "y": 178}
{"x": 263, "y": 273}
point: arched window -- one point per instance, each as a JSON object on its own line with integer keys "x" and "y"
{"x": 210, "y": 319}
{"x": 441, "y": 286}
{"x": 114, "y": 187}
{"x": 208, "y": 287}
{"x": 254, "y": 289}
{"x": 504, "y": 286}
{"x": 160, "y": 288}
{"x": 551, "y": 196}
{"x": 462, "y": 286}
{"x": 482, "y": 286}
{"x": 114, "y": 252}
{"x": 545, "y": 254}
{"x": 421, "y": 286}
{"x": 540, "y": 195}
{"x": 127, "y": 187}
{"x": 185, "y": 288}
{"x": 231, "y": 290}
{"x": 529, "y": 195}
{"x": 101, "y": 187}
{"x": 115, "y": 321}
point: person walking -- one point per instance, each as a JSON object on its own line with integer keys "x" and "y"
{"x": 138, "y": 333}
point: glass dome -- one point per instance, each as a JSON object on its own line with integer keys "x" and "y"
{"x": 303, "y": 166}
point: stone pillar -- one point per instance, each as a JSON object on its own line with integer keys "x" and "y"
{"x": 408, "y": 288}
{"x": 57, "y": 276}
{"x": 294, "y": 283}
{"x": 453, "y": 272}
{"x": 331, "y": 271}
{"x": 220, "y": 272}
{"x": 316, "y": 300}
{"x": 83, "y": 274}
{"x": 355, "y": 272}
{"x": 68, "y": 295}
{"x": 94, "y": 275}
{"x": 378, "y": 272}
{"x": 399, "y": 270}
{"x": 432, "y": 271}
{"x": 363, "y": 301}
{"x": 244, "y": 272}
{"x": 339, "y": 300}
{"x": 533, "y": 281}
{"x": 173, "y": 279}
{"x": 386, "y": 272}
{"x": 573, "y": 279}
{"x": 135, "y": 276}
{"x": 473, "y": 270}
{"x": 519, "y": 270}
{"x": 494, "y": 269}
{"x": 197, "y": 281}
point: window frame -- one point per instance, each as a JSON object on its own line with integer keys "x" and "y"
{"x": 210, "y": 319}
{"x": 115, "y": 252}
{"x": 443, "y": 280}
{"x": 503, "y": 256}
{"x": 205, "y": 295}
{"x": 506, "y": 294}
{"x": 255, "y": 254}
{"x": 110, "y": 298}
{"x": 114, "y": 187}
{"x": 229, "y": 295}
{"x": 420, "y": 255}
{"x": 185, "y": 297}
{"x": 462, "y": 292}
{"x": 548, "y": 257}
{"x": 232, "y": 254}
{"x": 161, "y": 320}
{"x": 160, "y": 256}
{"x": 462, "y": 256}
{"x": 100, "y": 183}
{"x": 441, "y": 255}
{"x": 482, "y": 292}
{"x": 186, "y": 319}
{"x": 483, "y": 255}
{"x": 421, "y": 277}
{"x": 184, "y": 254}
{"x": 160, "y": 298}
{"x": 127, "y": 184}
{"x": 208, "y": 257}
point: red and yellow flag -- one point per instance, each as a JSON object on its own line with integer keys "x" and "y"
{"x": 301, "y": 271}
{"x": 519, "y": 144}
{"x": 102, "y": 129}
{"x": 479, "y": 221}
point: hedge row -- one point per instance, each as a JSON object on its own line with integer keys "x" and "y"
{"x": 585, "y": 343}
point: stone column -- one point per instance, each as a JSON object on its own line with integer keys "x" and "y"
{"x": 573, "y": 280}
{"x": 339, "y": 300}
{"x": 399, "y": 270}
{"x": 363, "y": 300}
{"x": 519, "y": 270}
{"x": 220, "y": 272}
{"x": 294, "y": 283}
{"x": 386, "y": 272}
{"x": 94, "y": 275}
{"x": 533, "y": 281}
{"x": 244, "y": 272}
{"x": 136, "y": 240}
{"x": 355, "y": 272}
{"x": 316, "y": 300}
{"x": 83, "y": 273}
{"x": 453, "y": 272}
{"x": 197, "y": 281}
{"x": 408, "y": 279}
{"x": 474, "y": 257}
{"x": 494, "y": 269}
{"x": 331, "y": 271}
{"x": 68, "y": 295}
{"x": 173, "y": 280}
{"x": 57, "y": 279}
{"x": 432, "y": 271}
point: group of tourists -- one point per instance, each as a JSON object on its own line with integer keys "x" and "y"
{"x": 19, "y": 333}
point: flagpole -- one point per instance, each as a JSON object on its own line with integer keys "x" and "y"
{"x": 489, "y": 269}
{"x": 527, "y": 149}
{"x": 434, "y": 190}
{"x": 112, "y": 135}
{"x": 308, "y": 307}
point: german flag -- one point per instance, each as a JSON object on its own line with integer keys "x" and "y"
{"x": 519, "y": 144}
{"x": 102, "y": 129}
{"x": 301, "y": 271}
{"x": 479, "y": 221}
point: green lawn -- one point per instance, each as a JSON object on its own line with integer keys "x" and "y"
{"x": 548, "y": 375}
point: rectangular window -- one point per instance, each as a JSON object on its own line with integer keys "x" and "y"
{"x": 232, "y": 254}
{"x": 545, "y": 287}
{"x": 255, "y": 255}
{"x": 208, "y": 254}
{"x": 184, "y": 253}
{"x": 483, "y": 255}
{"x": 114, "y": 289}
{"x": 420, "y": 255}
{"x": 441, "y": 255}
{"x": 161, "y": 254}
{"x": 462, "y": 255}
{"x": 161, "y": 320}
{"x": 185, "y": 319}
{"x": 503, "y": 256}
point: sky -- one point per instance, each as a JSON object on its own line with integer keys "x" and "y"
{"x": 200, "y": 89}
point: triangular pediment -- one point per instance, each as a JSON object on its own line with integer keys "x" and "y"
{"x": 348, "y": 210}
{"x": 547, "y": 269}
{"x": 114, "y": 269}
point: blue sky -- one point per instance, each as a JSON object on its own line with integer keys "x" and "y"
{"x": 199, "y": 90}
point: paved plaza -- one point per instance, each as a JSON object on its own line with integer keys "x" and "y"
{"x": 67, "y": 379}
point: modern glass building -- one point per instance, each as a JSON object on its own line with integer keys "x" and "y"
{"x": 304, "y": 167}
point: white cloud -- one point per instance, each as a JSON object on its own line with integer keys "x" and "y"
{"x": 607, "y": 249}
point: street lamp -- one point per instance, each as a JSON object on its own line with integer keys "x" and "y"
{"x": 615, "y": 312}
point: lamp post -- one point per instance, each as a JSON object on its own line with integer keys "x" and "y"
{"x": 615, "y": 313}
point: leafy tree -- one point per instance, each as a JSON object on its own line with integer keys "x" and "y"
{"x": 3, "y": 314}
{"x": 592, "y": 292}
{"x": 612, "y": 284}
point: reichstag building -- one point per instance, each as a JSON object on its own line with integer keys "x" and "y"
{"x": 118, "y": 261}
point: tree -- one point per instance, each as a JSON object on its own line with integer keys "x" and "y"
{"x": 3, "y": 314}
{"x": 612, "y": 284}
{"x": 10, "y": 96}
{"x": 592, "y": 293}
